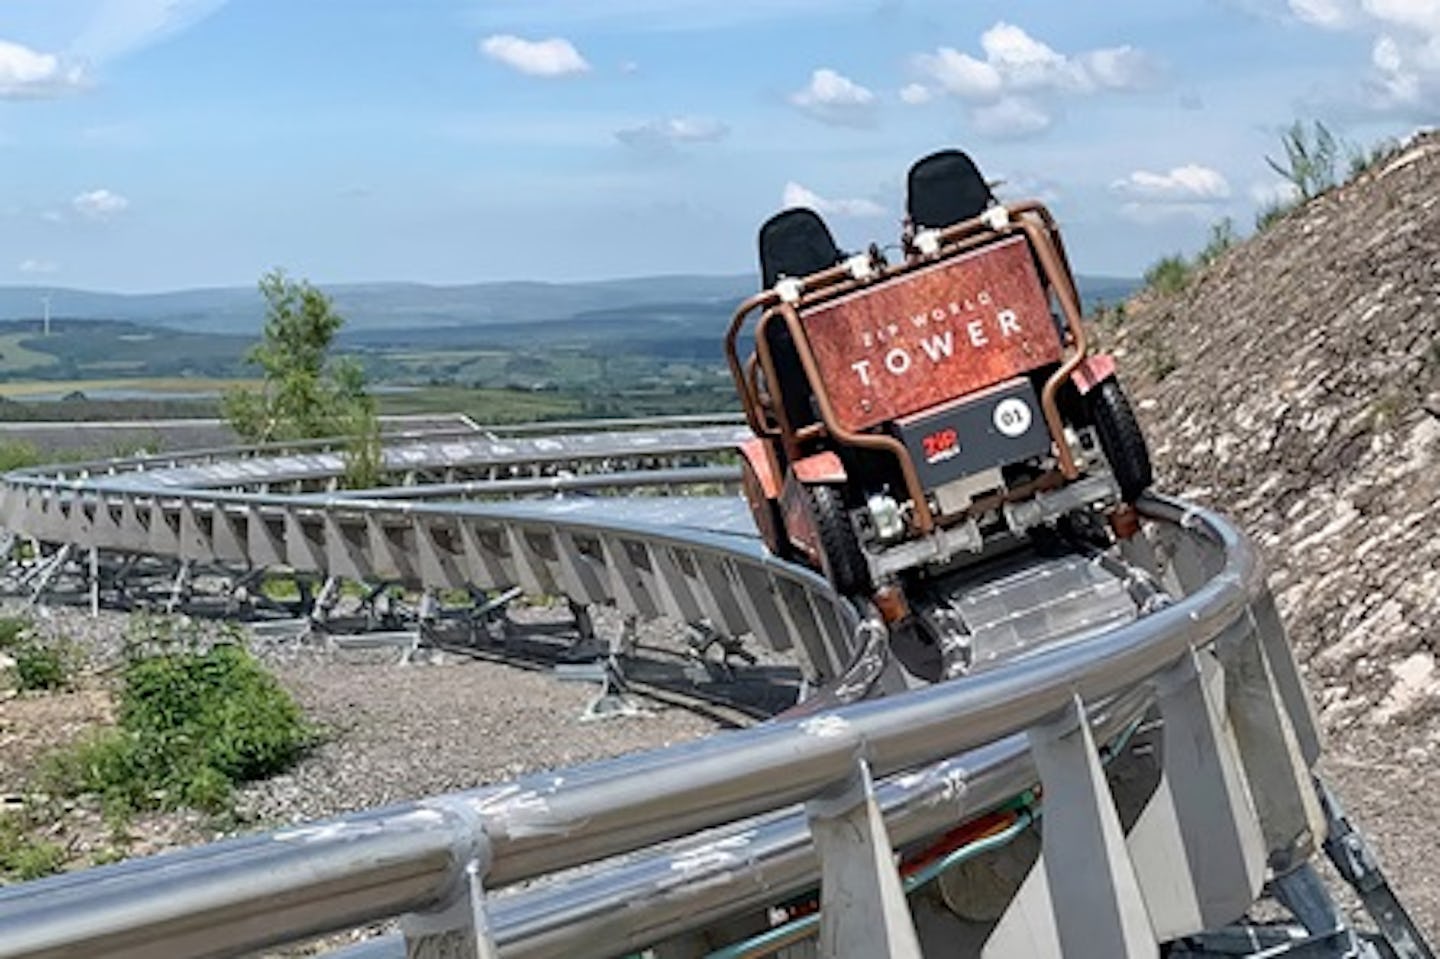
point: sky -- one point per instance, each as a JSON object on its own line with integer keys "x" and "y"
{"x": 149, "y": 145}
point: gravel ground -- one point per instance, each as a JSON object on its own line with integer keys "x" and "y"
{"x": 451, "y": 721}
{"x": 397, "y": 733}
{"x": 1387, "y": 782}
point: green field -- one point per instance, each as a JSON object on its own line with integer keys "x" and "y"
{"x": 15, "y": 357}
{"x": 177, "y": 387}
{"x": 483, "y": 405}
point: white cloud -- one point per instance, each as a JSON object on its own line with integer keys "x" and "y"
{"x": 1007, "y": 85}
{"x": 671, "y": 132}
{"x": 1024, "y": 186}
{"x": 1191, "y": 191}
{"x": 1017, "y": 62}
{"x": 832, "y": 97}
{"x": 1191, "y": 183}
{"x": 915, "y": 94}
{"x": 1419, "y": 15}
{"x": 797, "y": 195}
{"x": 100, "y": 204}
{"x": 1404, "y": 73}
{"x": 1322, "y": 13}
{"x": 120, "y": 27}
{"x": 37, "y": 267}
{"x": 104, "y": 30}
{"x": 27, "y": 74}
{"x": 1270, "y": 193}
{"x": 959, "y": 73}
{"x": 1012, "y": 118}
{"x": 1119, "y": 68}
{"x": 1024, "y": 62}
{"x": 555, "y": 57}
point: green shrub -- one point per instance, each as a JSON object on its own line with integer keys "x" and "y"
{"x": 18, "y": 454}
{"x": 40, "y": 667}
{"x": 22, "y": 856}
{"x": 12, "y": 631}
{"x": 1271, "y": 214}
{"x": 1310, "y": 158}
{"x": 1168, "y": 275}
{"x": 1363, "y": 160}
{"x": 1222, "y": 238}
{"x": 193, "y": 724}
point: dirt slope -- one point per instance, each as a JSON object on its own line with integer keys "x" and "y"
{"x": 1295, "y": 385}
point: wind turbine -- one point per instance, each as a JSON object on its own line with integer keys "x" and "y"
{"x": 46, "y": 300}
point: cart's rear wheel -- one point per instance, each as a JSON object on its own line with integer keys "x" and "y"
{"x": 1121, "y": 439}
{"x": 844, "y": 561}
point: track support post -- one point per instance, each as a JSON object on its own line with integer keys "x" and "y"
{"x": 1095, "y": 898}
{"x": 94, "y": 581}
{"x": 1197, "y": 847}
{"x": 863, "y": 912}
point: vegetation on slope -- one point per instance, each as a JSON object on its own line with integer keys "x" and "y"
{"x": 1293, "y": 381}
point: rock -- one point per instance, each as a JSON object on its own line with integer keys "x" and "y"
{"x": 1303, "y": 400}
{"x": 1415, "y": 686}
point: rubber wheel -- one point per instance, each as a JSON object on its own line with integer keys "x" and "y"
{"x": 1121, "y": 439}
{"x": 847, "y": 569}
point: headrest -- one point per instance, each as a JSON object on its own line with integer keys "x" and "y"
{"x": 945, "y": 188}
{"x": 795, "y": 242}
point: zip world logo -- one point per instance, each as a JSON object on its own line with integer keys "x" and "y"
{"x": 902, "y": 358}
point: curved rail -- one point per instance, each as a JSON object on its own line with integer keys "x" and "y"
{"x": 1212, "y": 664}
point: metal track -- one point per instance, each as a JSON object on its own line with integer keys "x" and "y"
{"x": 629, "y": 849}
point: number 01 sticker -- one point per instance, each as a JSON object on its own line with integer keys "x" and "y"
{"x": 1012, "y": 416}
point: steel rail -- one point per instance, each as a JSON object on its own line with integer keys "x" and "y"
{"x": 252, "y": 892}
{"x": 279, "y": 448}
{"x": 689, "y": 558}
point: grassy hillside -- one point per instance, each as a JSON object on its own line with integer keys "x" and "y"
{"x": 1294, "y": 383}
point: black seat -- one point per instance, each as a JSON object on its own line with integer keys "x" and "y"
{"x": 945, "y": 188}
{"x": 795, "y": 242}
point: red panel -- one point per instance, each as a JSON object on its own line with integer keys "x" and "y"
{"x": 930, "y": 336}
{"x": 821, "y": 468}
{"x": 1092, "y": 371}
{"x": 761, "y": 457}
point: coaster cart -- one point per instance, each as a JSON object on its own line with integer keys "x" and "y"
{"x": 910, "y": 418}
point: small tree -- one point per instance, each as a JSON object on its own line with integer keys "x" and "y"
{"x": 306, "y": 394}
{"x": 1310, "y": 158}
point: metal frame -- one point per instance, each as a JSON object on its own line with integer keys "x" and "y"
{"x": 1029, "y": 218}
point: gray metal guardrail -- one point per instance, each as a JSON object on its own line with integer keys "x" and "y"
{"x": 694, "y": 559}
{"x": 696, "y": 834}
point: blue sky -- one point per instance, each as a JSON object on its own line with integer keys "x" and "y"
{"x": 160, "y": 144}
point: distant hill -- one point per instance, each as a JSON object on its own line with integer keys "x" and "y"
{"x": 415, "y": 306}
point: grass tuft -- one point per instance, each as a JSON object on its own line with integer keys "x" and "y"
{"x": 196, "y": 720}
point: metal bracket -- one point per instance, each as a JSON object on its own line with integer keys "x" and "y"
{"x": 613, "y": 700}
{"x": 1355, "y": 860}
{"x": 460, "y": 927}
{"x": 700, "y": 638}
